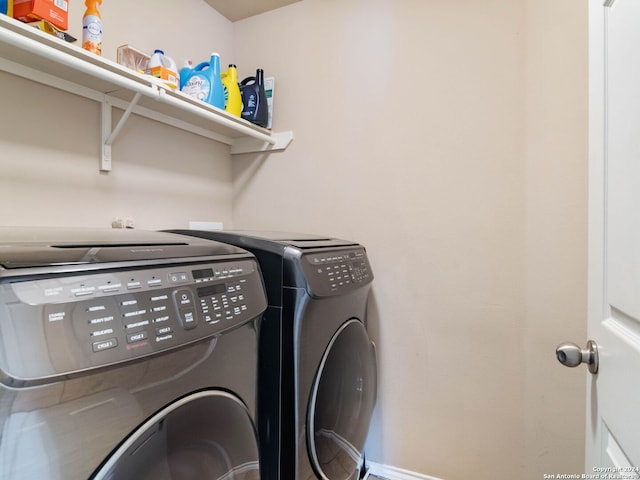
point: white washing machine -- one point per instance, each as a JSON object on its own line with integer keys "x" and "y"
{"x": 127, "y": 354}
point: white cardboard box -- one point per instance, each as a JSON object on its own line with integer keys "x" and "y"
{"x": 269, "y": 84}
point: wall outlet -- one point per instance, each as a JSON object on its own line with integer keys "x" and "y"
{"x": 123, "y": 222}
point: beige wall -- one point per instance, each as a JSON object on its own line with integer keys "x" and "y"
{"x": 450, "y": 139}
{"x": 556, "y": 195}
{"x": 162, "y": 177}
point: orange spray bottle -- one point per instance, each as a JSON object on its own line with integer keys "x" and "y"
{"x": 92, "y": 27}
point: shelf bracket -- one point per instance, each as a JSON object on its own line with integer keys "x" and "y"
{"x": 252, "y": 145}
{"x": 109, "y": 135}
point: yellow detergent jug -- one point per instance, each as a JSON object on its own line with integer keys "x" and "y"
{"x": 232, "y": 97}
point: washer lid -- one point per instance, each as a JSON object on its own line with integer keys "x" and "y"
{"x": 256, "y": 238}
{"x": 40, "y": 247}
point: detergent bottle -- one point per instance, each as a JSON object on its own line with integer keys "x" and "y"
{"x": 204, "y": 82}
{"x": 164, "y": 68}
{"x": 6, "y": 7}
{"x": 233, "y": 99}
{"x": 254, "y": 99}
{"x": 92, "y": 27}
{"x": 185, "y": 72}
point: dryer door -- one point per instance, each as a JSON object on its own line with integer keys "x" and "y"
{"x": 207, "y": 434}
{"x": 341, "y": 404}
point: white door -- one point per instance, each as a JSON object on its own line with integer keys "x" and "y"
{"x": 613, "y": 396}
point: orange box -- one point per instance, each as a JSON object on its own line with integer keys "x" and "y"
{"x": 169, "y": 77}
{"x": 54, "y": 11}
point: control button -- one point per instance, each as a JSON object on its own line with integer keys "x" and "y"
{"x": 113, "y": 287}
{"x": 133, "y": 285}
{"x": 178, "y": 277}
{"x": 154, "y": 282}
{"x": 183, "y": 298}
{"x": 83, "y": 291}
{"x": 188, "y": 318}
{"x": 98, "y": 321}
{"x": 163, "y": 331}
{"x": 136, "y": 337}
{"x": 105, "y": 345}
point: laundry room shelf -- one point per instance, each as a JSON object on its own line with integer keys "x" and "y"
{"x": 43, "y": 58}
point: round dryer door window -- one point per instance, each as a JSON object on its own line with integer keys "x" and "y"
{"x": 207, "y": 434}
{"x": 341, "y": 403}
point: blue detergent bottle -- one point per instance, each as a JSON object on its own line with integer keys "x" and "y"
{"x": 185, "y": 72}
{"x": 203, "y": 82}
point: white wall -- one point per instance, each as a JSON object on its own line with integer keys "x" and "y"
{"x": 450, "y": 139}
{"x": 162, "y": 177}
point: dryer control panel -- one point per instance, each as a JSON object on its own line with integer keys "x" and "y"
{"x": 60, "y": 325}
{"x": 335, "y": 272}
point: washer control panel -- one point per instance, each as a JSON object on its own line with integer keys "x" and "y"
{"x": 65, "y": 324}
{"x": 336, "y": 271}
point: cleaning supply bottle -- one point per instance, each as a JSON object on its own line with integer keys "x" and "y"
{"x": 254, "y": 99}
{"x": 233, "y": 99}
{"x": 6, "y": 7}
{"x": 92, "y": 27}
{"x": 204, "y": 82}
{"x": 185, "y": 71}
{"x": 164, "y": 68}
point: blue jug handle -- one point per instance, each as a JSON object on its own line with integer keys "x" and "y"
{"x": 200, "y": 66}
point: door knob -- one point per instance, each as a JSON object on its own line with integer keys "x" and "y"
{"x": 571, "y": 355}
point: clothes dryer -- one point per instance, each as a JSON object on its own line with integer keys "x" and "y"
{"x": 127, "y": 354}
{"x": 317, "y": 376}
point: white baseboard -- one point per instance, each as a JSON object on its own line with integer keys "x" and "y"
{"x": 394, "y": 473}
